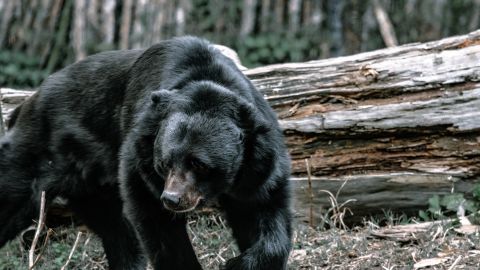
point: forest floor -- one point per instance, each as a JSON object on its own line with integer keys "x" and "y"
{"x": 439, "y": 247}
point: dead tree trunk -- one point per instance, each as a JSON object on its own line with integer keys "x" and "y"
{"x": 2, "y": 128}
{"x": 385, "y": 25}
{"x": 397, "y": 125}
{"x": 78, "y": 31}
{"x": 125, "y": 27}
{"x": 248, "y": 17}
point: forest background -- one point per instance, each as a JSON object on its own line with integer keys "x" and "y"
{"x": 38, "y": 37}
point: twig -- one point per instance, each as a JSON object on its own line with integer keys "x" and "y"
{"x": 385, "y": 25}
{"x": 79, "y": 234}
{"x": 84, "y": 254}
{"x": 42, "y": 249}
{"x": 40, "y": 225}
{"x": 98, "y": 264}
{"x": 194, "y": 235}
{"x": 455, "y": 262}
{"x": 310, "y": 191}
{"x": 338, "y": 211}
{"x": 219, "y": 254}
{"x": 2, "y": 124}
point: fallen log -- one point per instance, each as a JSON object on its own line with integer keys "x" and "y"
{"x": 2, "y": 128}
{"x": 398, "y": 125}
{"x": 424, "y": 230}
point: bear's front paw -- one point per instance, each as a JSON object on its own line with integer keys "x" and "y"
{"x": 235, "y": 264}
{"x": 248, "y": 262}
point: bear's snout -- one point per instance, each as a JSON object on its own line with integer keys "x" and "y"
{"x": 180, "y": 203}
{"x": 170, "y": 200}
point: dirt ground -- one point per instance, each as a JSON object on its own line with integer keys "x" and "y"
{"x": 438, "y": 247}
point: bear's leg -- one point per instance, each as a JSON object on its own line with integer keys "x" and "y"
{"x": 15, "y": 216}
{"x": 167, "y": 243}
{"x": 102, "y": 213}
{"x": 162, "y": 233}
{"x": 262, "y": 232}
{"x": 18, "y": 205}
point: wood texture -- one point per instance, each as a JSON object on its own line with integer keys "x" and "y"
{"x": 385, "y": 25}
{"x": 419, "y": 231}
{"x": 2, "y": 125}
{"x": 78, "y": 30}
{"x": 248, "y": 15}
{"x": 125, "y": 27}
{"x": 398, "y": 125}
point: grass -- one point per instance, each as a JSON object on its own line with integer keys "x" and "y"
{"x": 314, "y": 248}
{"x": 88, "y": 254}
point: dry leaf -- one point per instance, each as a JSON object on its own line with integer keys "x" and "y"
{"x": 429, "y": 262}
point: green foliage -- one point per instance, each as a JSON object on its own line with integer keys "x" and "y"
{"x": 444, "y": 206}
{"x": 13, "y": 257}
{"x": 55, "y": 254}
{"x": 54, "y": 258}
{"x": 19, "y": 69}
{"x": 274, "y": 48}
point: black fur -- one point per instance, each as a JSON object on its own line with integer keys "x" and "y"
{"x": 142, "y": 118}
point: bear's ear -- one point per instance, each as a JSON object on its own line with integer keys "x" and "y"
{"x": 167, "y": 100}
{"x": 251, "y": 119}
{"x": 161, "y": 97}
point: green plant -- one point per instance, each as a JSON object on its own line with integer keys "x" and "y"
{"x": 444, "y": 206}
{"x": 275, "y": 47}
{"x": 18, "y": 69}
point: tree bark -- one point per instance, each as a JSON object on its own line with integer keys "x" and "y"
{"x": 279, "y": 14}
{"x": 7, "y": 14}
{"x": 316, "y": 17}
{"x": 180, "y": 17}
{"x": 39, "y": 25}
{"x": 265, "y": 16}
{"x": 52, "y": 19}
{"x": 2, "y": 124}
{"x": 125, "y": 26}
{"x": 248, "y": 17}
{"x": 385, "y": 25}
{"x": 398, "y": 124}
{"x": 474, "y": 21}
{"x": 23, "y": 36}
{"x": 158, "y": 22}
{"x": 390, "y": 128}
{"x": 368, "y": 23}
{"x": 108, "y": 21}
{"x": 60, "y": 36}
{"x": 294, "y": 15}
{"x": 335, "y": 23}
{"x": 79, "y": 29}
{"x": 92, "y": 13}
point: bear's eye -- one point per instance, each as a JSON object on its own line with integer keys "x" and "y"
{"x": 197, "y": 165}
{"x": 161, "y": 166}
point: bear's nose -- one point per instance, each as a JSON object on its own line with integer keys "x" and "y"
{"x": 171, "y": 200}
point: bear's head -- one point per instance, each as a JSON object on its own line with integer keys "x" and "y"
{"x": 200, "y": 145}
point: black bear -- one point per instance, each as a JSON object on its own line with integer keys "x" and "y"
{"x": 134, "y": 140}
